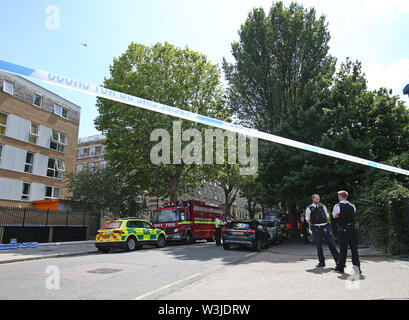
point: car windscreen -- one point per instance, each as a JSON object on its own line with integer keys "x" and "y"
{"x": 167, "y": 215}
{"x": 112, "y": 225}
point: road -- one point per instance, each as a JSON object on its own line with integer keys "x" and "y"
{"x": 148, "y": 273}
{"x": 201, "y": 271}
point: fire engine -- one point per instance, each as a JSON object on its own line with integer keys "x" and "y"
{"x": 187, "y": 220}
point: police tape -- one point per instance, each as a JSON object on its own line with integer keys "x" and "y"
{"x": 102, "y": 92}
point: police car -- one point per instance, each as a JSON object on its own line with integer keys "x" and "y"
{"x": 129, "y": 234}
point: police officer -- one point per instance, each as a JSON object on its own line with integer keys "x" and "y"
{"x": 218, "y": 234}
{"x": 344, "y": 212}
{"x": 317, "y": 217}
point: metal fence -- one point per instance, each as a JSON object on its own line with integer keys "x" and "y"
{"x": 29, "y": 223}
{"x": 14, "y": 216}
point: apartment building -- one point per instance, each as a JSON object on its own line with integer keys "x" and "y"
{"x": 38, "y": 141}
{"x": 90, "y": 156}
{"x": 90, "y": 153}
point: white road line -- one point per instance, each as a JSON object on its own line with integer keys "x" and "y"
{"x": 167, "y": 286}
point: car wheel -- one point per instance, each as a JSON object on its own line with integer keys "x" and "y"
{"x": 161, "y": 241}
{"x": 104, "y": 250}
{"x": 131, "y": 244}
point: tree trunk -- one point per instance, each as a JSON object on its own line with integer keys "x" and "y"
{"x": 173, "y": 183}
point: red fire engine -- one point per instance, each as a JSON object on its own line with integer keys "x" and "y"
{"x": 187, "y": 220}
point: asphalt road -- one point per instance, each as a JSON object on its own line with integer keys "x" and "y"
{"x": 202, "y": 271}
{"x": 148, "y": 273}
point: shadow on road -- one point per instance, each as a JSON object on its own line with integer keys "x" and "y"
{"x": 289, "y": 252}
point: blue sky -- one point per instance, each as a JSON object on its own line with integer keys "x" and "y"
{"x": 373, "y": 31}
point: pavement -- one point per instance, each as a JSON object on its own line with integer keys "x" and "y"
{"x": 48, "y": 250}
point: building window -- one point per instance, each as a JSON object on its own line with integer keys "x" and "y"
{"x": 102, "y": 149}
{"x": 28, "y": 167}
{"x": 38, "y": 100}
{"x": 102, "y": 165}
{"x": 25, "y": 195}
{"x": 199, "y": 191}
{"x": 80, "y": 154}
{"x": 61, "y": 111}
{"x": 205, "y": 193}
{"x": 58, "y": 141}
{"x": 3, "y": 122}
{"x": 1, "y": 152}
{"x": 52, "y": 192}
{"x": 92, "y": 151}
{"x": 8, "y": 87}
{"x": 78, "y": 168}
{"x": 34, "y": 129}
{"x": 91, "y": 166}
{"x": 55, "y": 168}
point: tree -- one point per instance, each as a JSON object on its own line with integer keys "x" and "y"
{"x": 169, "y": 75}
{"x": 280, "y": 57}
{"x": 105, "y": 192}
{"x": 252, "y": 190}
{"x": 277, "y": 84}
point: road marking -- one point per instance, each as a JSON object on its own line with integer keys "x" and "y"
{"x": 167, "y": 286}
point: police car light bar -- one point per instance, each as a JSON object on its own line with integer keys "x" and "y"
{"x": 105, "y": 93}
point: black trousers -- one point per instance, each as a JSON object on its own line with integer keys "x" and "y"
{"x": 348, "y": 237}
{"x": 318, "y": 234}
{"x": 218, "y": 236}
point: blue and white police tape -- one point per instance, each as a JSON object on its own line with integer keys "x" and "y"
{"x": 98, "y": 91}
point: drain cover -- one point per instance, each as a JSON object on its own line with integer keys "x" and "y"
{"x": 104, "y": 271}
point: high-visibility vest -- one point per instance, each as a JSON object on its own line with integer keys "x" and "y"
{"x": 216, "y": 223}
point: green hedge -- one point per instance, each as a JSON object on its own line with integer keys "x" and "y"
{"x": 376, "y": 218}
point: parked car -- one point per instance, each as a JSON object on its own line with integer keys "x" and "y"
{"x": 129, "y": 234}
{"x": 273, "y": 227}
{"x": 246, "y": 233}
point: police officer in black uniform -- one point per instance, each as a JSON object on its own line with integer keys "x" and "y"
{"x": 317, "y": 217}
{"x": 344, "y": 212}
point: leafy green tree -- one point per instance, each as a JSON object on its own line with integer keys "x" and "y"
{"x": 252, "y": 191}
{"x": 278, "y": 83}
{"x": 280, "y": 57}
{"x": 276, "y": 87}
{"x": 163, "y": 73}
{"x": 105, "y": 192}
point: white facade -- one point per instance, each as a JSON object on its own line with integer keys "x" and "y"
{"x": 14, "y": 159}
{"x": 11, "y": 189}
{"x": 19, "y": 128}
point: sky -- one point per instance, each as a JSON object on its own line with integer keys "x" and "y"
{"x": 47, "y": 35}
